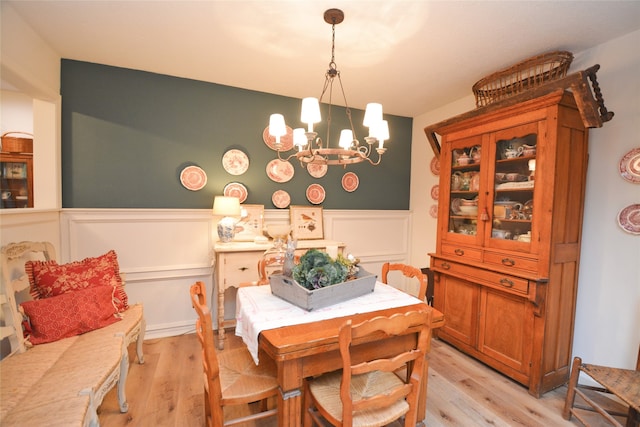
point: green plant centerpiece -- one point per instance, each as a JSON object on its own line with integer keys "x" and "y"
{"x": 318, "y": 270}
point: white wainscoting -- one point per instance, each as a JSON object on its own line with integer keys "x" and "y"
{"x": 17, "y": 225}
{"x": 163, "y": 251}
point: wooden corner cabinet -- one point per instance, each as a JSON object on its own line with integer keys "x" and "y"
{"x": 16, "y": 180}
{"x": 512, "y": 185}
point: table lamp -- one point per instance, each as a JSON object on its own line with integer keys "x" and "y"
{"x": 227, "y": 208}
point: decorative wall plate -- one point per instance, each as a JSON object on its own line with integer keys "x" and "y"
{"x": 317, "y": 170}
{"x": 433, "y": 211}
{"x": 286, "y": 141}
{"x": 281, "y": 199}
{"x": 435, "y": 192}
{"x": 350, "y": 182}
{"x": 235, "y": 162}
{"x": 193, "y": 178}
{"x": 435, "y": 166}
{"x": 630, "y": 166}
{"x": 280, "y": 170}
{"x": 629, "y": 219}
{"x": 235, "y": 189}
{"x": 315, "y": 194}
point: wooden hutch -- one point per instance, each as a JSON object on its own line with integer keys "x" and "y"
{"x": 512, "y": 186}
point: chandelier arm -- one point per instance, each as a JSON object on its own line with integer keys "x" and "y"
{"x": 286, "y": 159}
{"x": 365, "y": 150}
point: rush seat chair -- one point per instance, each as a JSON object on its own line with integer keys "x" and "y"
{"x": 624, "y": 383}
{"x": 368, "y": 393}
{"x": 231, "y": 376}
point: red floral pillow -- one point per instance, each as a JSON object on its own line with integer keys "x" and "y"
{"x": 69, "y": 314}
{"x": 48, "y": 278}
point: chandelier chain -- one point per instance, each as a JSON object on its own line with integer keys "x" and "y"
{"x": 333, "y": 45}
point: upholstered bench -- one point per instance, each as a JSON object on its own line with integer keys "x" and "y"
{"x": 62, "y": 382}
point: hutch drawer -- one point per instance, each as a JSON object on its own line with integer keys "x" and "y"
{"x": 464, "y": 252}
{"x": 484, "y": 277}
{"x": 511, "y": 261}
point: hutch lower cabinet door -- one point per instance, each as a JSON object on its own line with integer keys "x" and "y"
{"x": 512, "y": 185}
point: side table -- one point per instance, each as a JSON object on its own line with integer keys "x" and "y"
{"x": 236, "y": 264}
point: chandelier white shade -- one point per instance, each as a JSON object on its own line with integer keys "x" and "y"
{"x": 372, "y": 115}
{"x": 277, "y": 127}
{"x": 310, "y": 113}
{"x": 312, "y": 149}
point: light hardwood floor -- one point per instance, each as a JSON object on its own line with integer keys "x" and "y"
{"x": 167, "y": 391}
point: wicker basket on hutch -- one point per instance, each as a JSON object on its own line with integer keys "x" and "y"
{"x": 524, "y": 75}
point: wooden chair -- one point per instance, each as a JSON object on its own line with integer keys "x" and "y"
{"x": 231, "y": 376}
{"x": 410, "y": 272}
{"x": 271, "y": 265}
{"x": 624, "y": 383}
{"x": 369, "y": 393}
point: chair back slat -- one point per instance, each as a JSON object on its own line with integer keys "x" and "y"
{"x": 271, "y": 265}
{"x": 407, "y": 271}
{"x": 413, "y": 360}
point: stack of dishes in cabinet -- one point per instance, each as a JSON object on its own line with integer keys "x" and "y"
{"x": 467, "y": 207}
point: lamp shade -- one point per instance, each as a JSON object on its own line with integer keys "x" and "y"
{"x": 381, "y": 130}
{"x": 310, "y": 113}
{"x": 299, "y": 138}
{"x": 372, "y": 114}
{"x": 276, "y": 125}
{"x": 346, "y": 138}
{"x": 226, "y": 206}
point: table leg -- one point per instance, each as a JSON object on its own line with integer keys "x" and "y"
{"x": 221, "y": 332}
{"x": 290, "y": 383}
{"x": 290, "y": 408}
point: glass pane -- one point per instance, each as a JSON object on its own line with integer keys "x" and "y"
{"x": 514, "y": 184}
{"x": 465, "y": 184}
{"x": 14, "y": 185}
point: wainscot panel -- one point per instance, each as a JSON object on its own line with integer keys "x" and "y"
{"x": 163, "y": 251}
{"x": 17, "y": 225}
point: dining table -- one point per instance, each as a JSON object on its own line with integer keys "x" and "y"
{"x": 304, "y": 343}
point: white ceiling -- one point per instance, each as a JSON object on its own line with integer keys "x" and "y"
{"x": 412, "y": 56}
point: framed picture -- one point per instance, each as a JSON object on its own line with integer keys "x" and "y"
{"x": 251, "y": 222}
{"x": 306, "y": 222}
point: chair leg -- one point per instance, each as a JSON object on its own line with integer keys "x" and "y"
{"x": 633, "y": 418}
{"x": 307, "y": 421}
{"x": 571, "y": 388}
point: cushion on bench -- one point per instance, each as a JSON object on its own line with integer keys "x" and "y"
{"x": 48, "y": 278}
{"x": 63, "y": 413}
{"x": 88, "y": 365}
{"x": 69, "y": 314}
{"x": 19, "y": 374}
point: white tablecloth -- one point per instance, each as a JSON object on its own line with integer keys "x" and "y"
{"x": 257, "y": 309}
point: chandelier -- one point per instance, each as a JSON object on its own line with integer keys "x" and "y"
{"x": 311, "y": 148}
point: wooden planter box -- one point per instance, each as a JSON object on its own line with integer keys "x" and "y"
{"x": 289, "y": 290}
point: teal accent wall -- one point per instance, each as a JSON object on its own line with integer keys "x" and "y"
{"x": 127, "y": 135}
